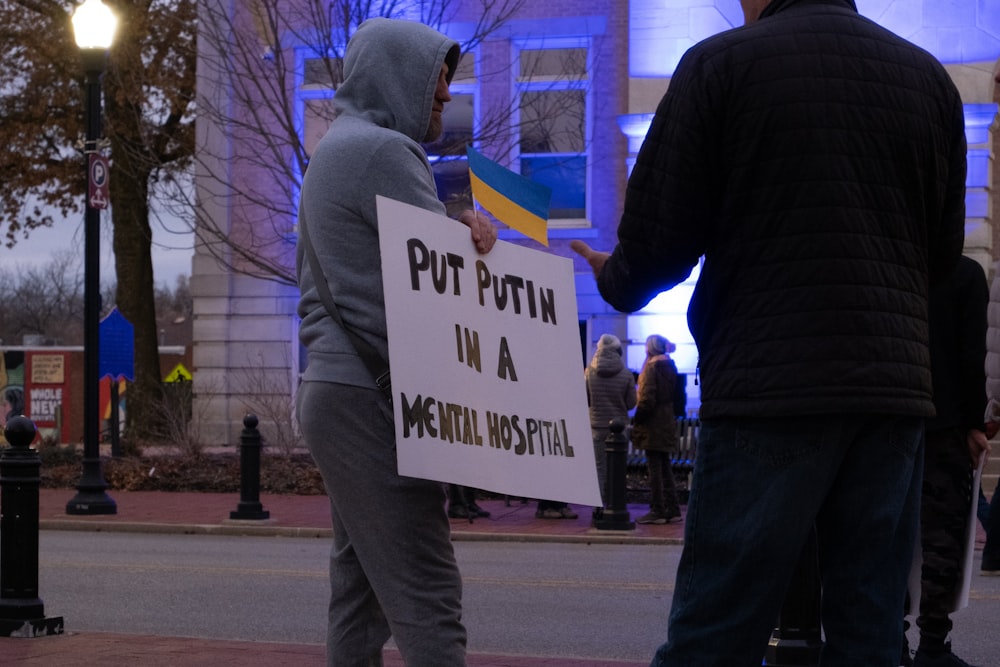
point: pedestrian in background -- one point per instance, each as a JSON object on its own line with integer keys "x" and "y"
{"x": 610, "y": 396}
{"x": 392, "y": 565}
{"x": 554, "y": 509}
{"x": 462, "y": 503}
{"x": 654, "y": 429}
{"x": 954, "y": 441}
{"x": 817, "y": 162}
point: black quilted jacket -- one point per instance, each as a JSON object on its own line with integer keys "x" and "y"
{"x": 817, "y": 162}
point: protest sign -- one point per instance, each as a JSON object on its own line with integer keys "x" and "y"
{"x": 487, "y": 372}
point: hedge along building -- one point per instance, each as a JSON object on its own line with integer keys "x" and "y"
{"x": 562, "y": 91}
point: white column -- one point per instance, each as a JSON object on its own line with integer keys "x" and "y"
{"x": 979, "y": 122}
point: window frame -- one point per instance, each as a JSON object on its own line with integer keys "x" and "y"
{"x": 548, "y": 83}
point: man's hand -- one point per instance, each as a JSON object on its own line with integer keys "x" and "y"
{"x": 595, "y": 258}
{"x": 484, "y": 232}
{"x": 976, "y": 440}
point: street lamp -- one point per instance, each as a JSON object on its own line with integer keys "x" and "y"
{"x": 94, "y": 28}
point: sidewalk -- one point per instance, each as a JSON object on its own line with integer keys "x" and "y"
{"x": 309, "y": 516}
{"x": 293, "y": 516}
{"x": 111, "y": 650}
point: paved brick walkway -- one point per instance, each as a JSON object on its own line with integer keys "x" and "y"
{"x": 155, "y": 511}
{"x": 112, "y": 650}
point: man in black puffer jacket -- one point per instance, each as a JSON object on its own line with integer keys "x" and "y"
{"x": 817, "y": 162}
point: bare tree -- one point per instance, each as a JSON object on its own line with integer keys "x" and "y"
{"x": 148, "y": 120}
{"x": 260, "y": 56}
{"x": 44, "y": 301}
{"x": 269, "y": 396}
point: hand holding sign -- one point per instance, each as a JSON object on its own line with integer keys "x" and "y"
{"x": 595, "y": 258}
{"x": 484, "y": 232}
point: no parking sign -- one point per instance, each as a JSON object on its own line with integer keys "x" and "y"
{"x": 97, "y": 195}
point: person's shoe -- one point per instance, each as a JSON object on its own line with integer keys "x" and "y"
{"x": 990, "y": 568}
{"x": 652, "y": 517}
{"x": 944, "y": 659}
{"x": 477, "y": 511}
{"x": 567, "y": 513}
{"x": 458, "y": 512}
{"x": 672, "y": 515}
{"x": 548, "y": 514}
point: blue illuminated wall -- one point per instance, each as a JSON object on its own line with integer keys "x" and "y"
{"x": 956, "y": 31}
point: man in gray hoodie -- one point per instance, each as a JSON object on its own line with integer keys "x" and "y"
{"x": 392, "y": 566}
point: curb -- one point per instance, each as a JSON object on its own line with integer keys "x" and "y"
{"x": 255, "y": 529}
{"x": 234, "y": 529}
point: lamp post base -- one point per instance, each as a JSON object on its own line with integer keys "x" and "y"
{"x": 34, "y": 627}
{"x": 249, "y": 512}
{"x": 793, "y": 652}
{"x": 90, "y": 502}
{"x": 615, "y": 520}
{"x": 90, "y": 497}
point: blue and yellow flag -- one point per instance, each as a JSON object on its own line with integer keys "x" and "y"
{"x": 513, "y": 199}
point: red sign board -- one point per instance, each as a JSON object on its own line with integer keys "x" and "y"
{"x": 46, "y": 394}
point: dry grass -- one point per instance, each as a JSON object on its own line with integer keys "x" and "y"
{"x": 219, "y": 473}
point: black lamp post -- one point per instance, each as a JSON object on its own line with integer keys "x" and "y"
{"x": 93, "y": 26}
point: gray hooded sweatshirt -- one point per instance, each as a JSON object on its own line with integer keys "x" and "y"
{"x": 391, "y": 69}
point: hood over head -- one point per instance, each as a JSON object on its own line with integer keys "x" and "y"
{"x": 391, "y": 69}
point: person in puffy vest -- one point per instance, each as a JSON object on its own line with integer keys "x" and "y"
{"x": 610, "y": 395}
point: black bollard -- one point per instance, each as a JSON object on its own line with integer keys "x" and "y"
{"x": 797, "y": 641}
{"x": 616, "y": 516}
{"x": 249, "y": 508}
{"x": 22, "y": 613}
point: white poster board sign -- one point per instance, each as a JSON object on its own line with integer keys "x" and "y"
{"x": 487, "y": 370}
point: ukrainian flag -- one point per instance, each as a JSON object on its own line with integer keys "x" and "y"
{"x": 514, "y": 200}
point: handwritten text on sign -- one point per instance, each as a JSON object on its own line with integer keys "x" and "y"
{"x": 487, "y": 373}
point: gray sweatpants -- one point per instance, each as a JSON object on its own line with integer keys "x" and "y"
{"x": 392, "y": 566}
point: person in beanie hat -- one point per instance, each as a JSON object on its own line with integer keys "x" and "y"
{"x": 610, "y": 395}
{"x": 654, "y": 428}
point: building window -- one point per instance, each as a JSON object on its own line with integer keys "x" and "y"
{"x": 323, "y": 73}
{"x": 319, "y": 80}
{"x": 553, "y": 100}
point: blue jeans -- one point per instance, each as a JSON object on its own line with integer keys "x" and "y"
{"x": 759, "y": 486}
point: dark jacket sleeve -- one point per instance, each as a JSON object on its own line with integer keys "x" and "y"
{"x": 976, "y": 296}
{"x": 947, "y": 236}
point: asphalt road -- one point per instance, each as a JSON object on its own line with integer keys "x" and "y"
{"x": 565, "y": 600}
